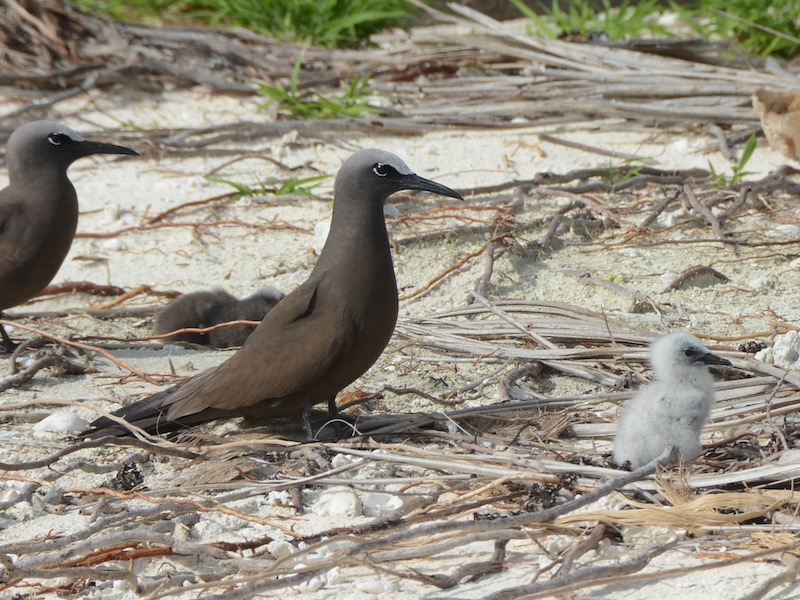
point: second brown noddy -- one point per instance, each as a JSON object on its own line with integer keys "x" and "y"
{"x": 39, "y": 208}
{"x": 318, "y": 339}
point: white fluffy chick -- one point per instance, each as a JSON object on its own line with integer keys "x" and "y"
{"x": 672, "y": 410}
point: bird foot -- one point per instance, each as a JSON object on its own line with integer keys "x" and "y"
{"x": 7, "y": 344}
{"x": 340, "y": 430}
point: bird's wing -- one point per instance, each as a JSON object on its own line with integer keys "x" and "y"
{"x": 13, "y": 233}
{"x": 295, "y": 345}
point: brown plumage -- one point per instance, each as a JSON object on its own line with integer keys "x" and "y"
{"x": 322, "y": 336}
{"x": 39, "y": 208}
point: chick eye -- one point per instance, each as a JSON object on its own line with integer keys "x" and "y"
{"x": 57, "y": 138}
{"x": 382, "y": 170}
{"x": 689, "y": 352}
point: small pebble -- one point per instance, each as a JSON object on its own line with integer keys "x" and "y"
{"x": 337, "y": 502}
{"x": 763, "y": 282}
{"x": 789, "y": 457}
{"x": 377, "y": 586}
{"x": 312, "y": 585}
{"x": 278, "y": 498}
{"x": 121, "y": 585}
{"x": 207, "y": 530}
{"x": 380, "y": 101}
{"x": 764, "y": 355}
{"x": 280, "y": 549}
{"x": 21, "y": 511}
{"x": 782, "y": 518}
{"x": 60, "y": 422}
{"x": 630, "y": 252}
{"x": 784, "y": 230}
{"x": 786, "y": 350}
{"x": 335, "y": 576}
{"x": 114, "y": 244}
{"x": 53, "y": 495}
{"x": 382, "y": 505}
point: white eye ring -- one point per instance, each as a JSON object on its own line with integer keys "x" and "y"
{"x": 55, "y": 139}
{"x": 381, "y": 170}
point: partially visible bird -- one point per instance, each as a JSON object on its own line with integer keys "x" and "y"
{"x": 779, "y": 111}
{"x": 39, "y": 208}
{"x": 671, "y": 410}
{"x": 207, "y": 308}
{"x": 322, "y": 336}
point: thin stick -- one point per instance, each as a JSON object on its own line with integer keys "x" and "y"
{"x": 121, "y": 363}
{"x": 706, "y": 212}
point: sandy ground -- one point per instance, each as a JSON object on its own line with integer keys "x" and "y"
{"x": 116, "y": 194}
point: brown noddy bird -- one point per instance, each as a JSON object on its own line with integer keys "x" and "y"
{"x": 206, "y": 308}
{"x": 318, "y": 339}
{"x": 39, "y": 208}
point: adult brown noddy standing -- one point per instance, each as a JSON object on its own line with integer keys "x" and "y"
{"x": 318, "y": 339}
{"x": 39, "y": 208}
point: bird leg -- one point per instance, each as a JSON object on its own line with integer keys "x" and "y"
{"x": 8, "y": 344}
{"x": 307, "y": 421}
{"x": 340, "y": 430}
{"x": 333, "y": 410}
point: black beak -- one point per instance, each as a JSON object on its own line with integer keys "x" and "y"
{"x": 712, "y": 359}
{"x": 87, "y": 148}
{"x": 415, "y": 182}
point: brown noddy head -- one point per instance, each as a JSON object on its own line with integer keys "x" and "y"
{"x": 374, "y": 175}
{"x": 46, "y": 144}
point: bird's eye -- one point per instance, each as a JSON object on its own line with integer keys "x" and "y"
{"x": 382, "y": 170}
{"x": 57, "y": 138}
{"x": 689, "y": 352}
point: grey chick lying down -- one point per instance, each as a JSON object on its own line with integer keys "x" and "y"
{"x": 212, "y": 307}
{"x": 671, "y": 410}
